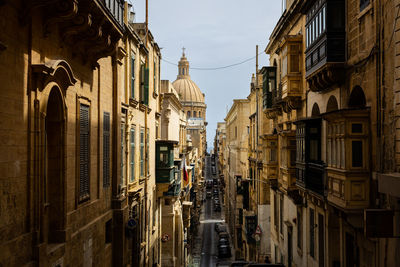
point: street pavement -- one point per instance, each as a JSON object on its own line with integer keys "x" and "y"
{"x": 205, "y": 252}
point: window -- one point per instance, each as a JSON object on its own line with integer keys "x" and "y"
{"x": 299, "y": 229}
{"x": 122, "y": 153}
{"x": 357, "y": 153}
{"x": 275, "y": 212}
{"x": 363, "y": 4}
{"x": 141, "y": 152}
{"x": 312, "y": 234}
{"x": 154, "y": 76}
{"x": 106, "y": 149}
{"x": 144, "y": 84}
{"x": 132, "y": 156}
{"x": 133, "y": 75}
{"x": 147, "y": 152}
{"x": 199, "y": 114}
{"x": 108, "y": 231}
{"x": 84, "y": 152}
{"x": 194, "y": 114}
{"x": 188, "y": 114}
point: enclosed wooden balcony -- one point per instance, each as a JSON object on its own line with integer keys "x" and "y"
{"x": 165, "y": 168}
{"x": 348, "y": 158}
{"x": 291, "y": 81}
{"x": 325, "y": 43}
{"x": 287, "y": 168}
{"x": 309, "y": 167}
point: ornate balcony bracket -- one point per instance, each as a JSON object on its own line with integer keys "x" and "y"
{"x": 325, "y": 77}
{"x": 291, "y": 103}
{"x": 90, "y": 28}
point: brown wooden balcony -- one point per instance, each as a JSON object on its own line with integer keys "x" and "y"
{"x": 348, "y": 158}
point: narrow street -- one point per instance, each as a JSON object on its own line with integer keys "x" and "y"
{"x": 208, "y": 218}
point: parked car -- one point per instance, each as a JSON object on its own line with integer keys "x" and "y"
{"x": 216, "y": 225}
{"x": 223, "y": 242}
{"x": 221, "y": 228}
{"x": 223, "y": 235}
{"x": 208, "y": 194}
{"x": 224, "y": 251}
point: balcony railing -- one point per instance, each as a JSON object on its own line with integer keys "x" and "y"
{"x": 311, "y": 176}
{"x": 116, "y": 9}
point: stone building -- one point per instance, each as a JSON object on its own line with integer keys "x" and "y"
{"x": 140, "y": 128}
{"x": 235, "y": 172}
{"x": 331, "y": 149}
{"x": 170, "y": 176}
{"x": 259, "y": 188}
{"x": 194, "y": 106}
{"x": 79, "y": 128}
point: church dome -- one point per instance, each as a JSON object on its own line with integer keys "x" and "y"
{"x": 187, "y": 89}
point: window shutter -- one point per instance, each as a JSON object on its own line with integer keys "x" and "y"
{"x": 84, "y": 152}
{"x": 146, "y": 86}
{"x": 133, "y": 76}
{"x": 132, "y": 161}
{"x": 106, "y": 149}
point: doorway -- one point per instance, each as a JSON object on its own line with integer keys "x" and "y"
{"x": 54, "y": 165}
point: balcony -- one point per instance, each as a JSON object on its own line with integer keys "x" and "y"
{"x": 92, "y": 28}
{"x": 348, "y": 158}
{"x": 292, "y": 81}
{"x": 287, "y": 176}
{"x": 325, "y": 42}
{"x": 309, "y": 167}
{"x": 165, "y": 168}
{"x": 174, "y": 189}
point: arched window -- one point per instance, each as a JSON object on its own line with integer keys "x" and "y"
{"x": 199, "y": 114}
{"x": 315, "y": 110}
{"x": 188, "y": 114}
{"x": 332, "y": 104}
{"x": 194, "y": 114}
{"x": 357, "y": 98}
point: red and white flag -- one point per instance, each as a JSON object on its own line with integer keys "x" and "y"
{"x": 185, "y": 173}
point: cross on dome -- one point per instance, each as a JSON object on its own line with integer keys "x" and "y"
{"x": 183, "y": 51}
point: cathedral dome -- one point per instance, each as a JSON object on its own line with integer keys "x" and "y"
{"x": 187, "y": 89}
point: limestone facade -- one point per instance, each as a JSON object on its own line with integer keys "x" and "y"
{"x": 235, "y": 170}
{"x": 69, "y": 192}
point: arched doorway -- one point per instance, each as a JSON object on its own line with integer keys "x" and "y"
{"x": 332, "y": 104}
{"x": 357, "y": 98}
{"x": 54, "y": 165}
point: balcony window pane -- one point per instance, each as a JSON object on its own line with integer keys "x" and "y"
{"x": 132, "y": 158}
{"x": 323, "y": 18}
{"x": 357, "y": 154}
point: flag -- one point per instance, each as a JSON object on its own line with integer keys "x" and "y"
{"x": 185, "y": 173}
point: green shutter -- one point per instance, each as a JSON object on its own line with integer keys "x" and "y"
{"x": 84, "y": 152}
{"x": 146, "y": 86}
{"x": 133, "y": 76}
{"x": 141, "y": 152}
{"x": 106, "y": 149}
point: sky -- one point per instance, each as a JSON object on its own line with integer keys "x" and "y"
{"x": 215, "y": 33}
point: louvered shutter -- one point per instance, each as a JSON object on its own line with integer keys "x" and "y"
{"x": 106, "y": 149}
{"x": 146, "y": 86}
{"x": 133, "y": 76}
{"x": 132, "y": 158}
{"x": 84, "y": 152}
